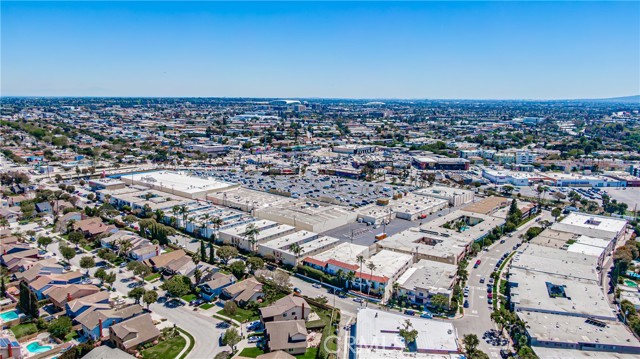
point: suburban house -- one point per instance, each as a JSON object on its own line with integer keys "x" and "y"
{"x": 142, "y": 253}
{"x": 290, "y": 307}
{"x": 78, "y": 306}
{"x": 278, "y": 354}
{"x": 40, "y": 285}
{"x": 92, "y": 227}
{"x": 13, "y": 260}
{"x": 127, "y": 335}
{"x": 43, "y": 207}
{"x": 12, "y": 215}
{"x": 163, "y": 261}
{"x": 212, "y": 288}
{"x": 248, "y": 290}
{"x": 30, "y": 270}
{"x": 95, "y": 321}
{"x": 59, "y": 295}
{"x": 289, "y": 336}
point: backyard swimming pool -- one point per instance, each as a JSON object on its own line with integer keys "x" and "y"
{"x": 9, "y": 316}
{"x": 35, "y": 347}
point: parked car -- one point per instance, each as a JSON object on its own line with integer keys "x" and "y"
{"x": 196, "y": 302}
{"x": 357, "y": 300}
{"x": 409, "y": 312}
{"x": 297, "y": 290}
{"x": 254, "y": 339}
{"x": 223, "y": 325}
{"x": 316, "y": 285}
{"x": 482, "y": 280}
{"x": 466, "y": 304}
{"x": 426, "y": 315}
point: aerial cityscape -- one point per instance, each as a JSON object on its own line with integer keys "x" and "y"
{"x": 259, "y": 180}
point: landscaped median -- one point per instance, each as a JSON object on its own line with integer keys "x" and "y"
{"x": 498, "y": 280}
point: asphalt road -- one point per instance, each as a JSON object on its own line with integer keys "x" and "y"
{"x": 477, "y": 318}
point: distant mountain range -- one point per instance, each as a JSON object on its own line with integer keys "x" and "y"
{"x": 625, "y": 99}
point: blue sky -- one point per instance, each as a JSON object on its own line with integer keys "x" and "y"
{"x": 494, "y": 50}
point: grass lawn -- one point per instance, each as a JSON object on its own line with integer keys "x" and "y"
{"x": 309, "y": 354}
{"x": 168, "y": 349}
{"x": 241, "y": 315}
{"x": 21, "y": 330}
{"x": 73, "y": 334}
{"x": 251, "y": 352}
{"x": 189, "y": 297}
{"x": 206, "y": 306}
{"x": 152, "y": 277}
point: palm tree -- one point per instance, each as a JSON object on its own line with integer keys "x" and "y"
{"x": 395, "y": 288}
{"x": 340, "y": 275}
{"x": 123, "y": 246}
{"x": 217, "y": 223}
{"x": 175, "y": 210}
{"x": 296, "y": 250}
{"x": 204, "y": 224}
{"x": 371, "y": 267}
{"x": 185, "y": 213}
{"x": 360, "y": 259}
{"x": 250, "y": 233}
{"x": 349, "y": 278}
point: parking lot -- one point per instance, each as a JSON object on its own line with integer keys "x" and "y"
{"x": 310, "y": 185}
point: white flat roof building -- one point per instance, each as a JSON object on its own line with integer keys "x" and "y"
{"x": 310, "y": 243}
{"x": 178, "y": 183}
{"x": 455, "y": 196}
{"x": 379, "y": 330}
{"x": 592, "y": 225}
{"x": 427, "y": 278}
{"x": 556, "y": 294}
{"x": 308, "y": 216}
{"x": 568, "y": 334}
{"x": 555, "y": 261}
{"x": 268, "y": 230}
{"x": 425, "y": 246}
{"x": 247, "y": 200}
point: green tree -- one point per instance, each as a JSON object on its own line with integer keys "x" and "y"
{"x": 177, "y": 286}
{"x": 67, "y": 252}
{"x": 237, "y": 268}
{"x": 231, "y": 338}
{"x": 408, "y": 333}
{"x": 212, "y": 254}
{"x": 44, "y": 242}
{"x": 533, "y": 232}
{"x": 230, "y": 308}
{"x": 60, "y": 327}
{"x": 470, "y": 342}
{"x": 440, "y": 302}
{"x": 227, "y": 252}
{"x": 255, "y": 263}
{"x": 556, "y": 212}
{"x": 150, "y": 297}
{"x": 75, "y": 238}
{"x": 87, "y": 262}
{"x": 3, "y": 288}
{"x": 136, "y": 294}
{"x": 100, "y": 274}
